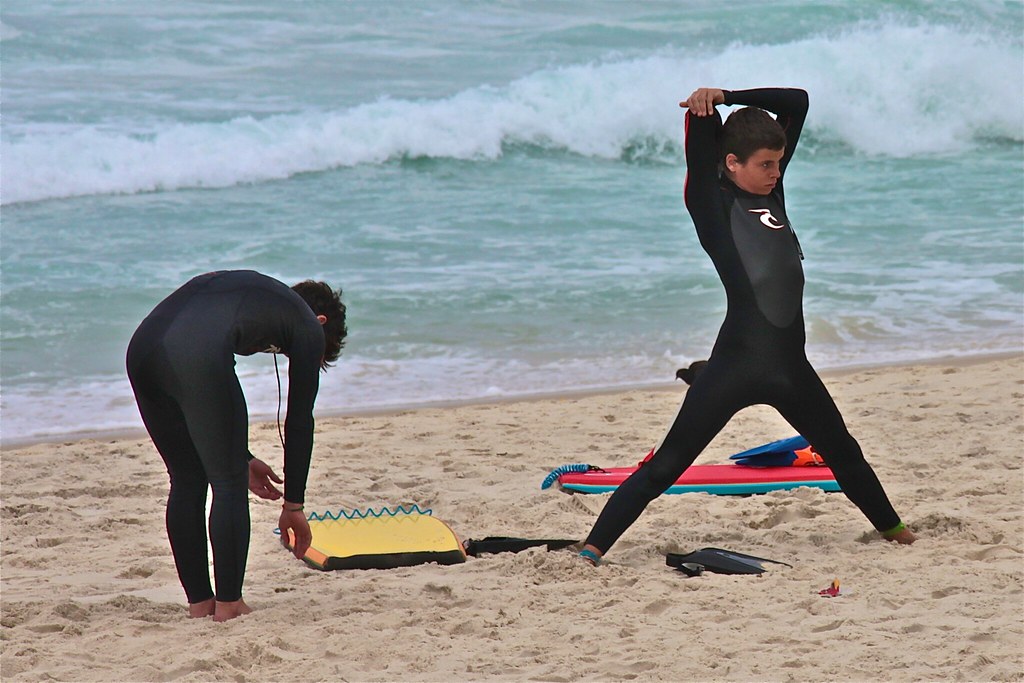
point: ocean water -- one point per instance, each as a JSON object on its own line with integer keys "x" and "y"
{"x": 496, "y": 186}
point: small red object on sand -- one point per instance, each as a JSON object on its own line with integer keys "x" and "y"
{"x": 832, "y": 591}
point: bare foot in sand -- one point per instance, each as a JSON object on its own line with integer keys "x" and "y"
{"x": 230, "y": 610}
{"x": 904, "y": 537}
{"x": 202, "y": 609}
{"x": 591, "y": 555}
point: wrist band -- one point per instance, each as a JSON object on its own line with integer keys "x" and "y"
{"x": 895, "y": 530}
{"x": 591, "y": 556}
{"x": 298, "y": 509}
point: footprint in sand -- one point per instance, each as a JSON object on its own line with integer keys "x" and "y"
{"x": 51, "y": 542}
{"x": 657, "y": 607}
{"x": 137, "y": 572}
{"x": 71, "y": 612}
{"x": 999, "y": 552}
{"x": 831, "y": 626}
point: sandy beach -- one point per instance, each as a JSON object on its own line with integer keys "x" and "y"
{"x": 89, "y": 591}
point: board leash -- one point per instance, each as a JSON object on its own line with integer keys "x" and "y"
{"x": 280, "y": 433}
{"x": 565, "y": 469}
{"x": 368, "y": 513}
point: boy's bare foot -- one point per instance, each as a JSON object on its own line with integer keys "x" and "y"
{"x": 202, "y": 609}
{"x": 904, "y": 537}
{"x": 591, "y": 555}
{"x": 230, "y": 610}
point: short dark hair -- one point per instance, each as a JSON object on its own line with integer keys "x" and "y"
{"x": 327, "y": 302}
{"x": 748, "y": 130}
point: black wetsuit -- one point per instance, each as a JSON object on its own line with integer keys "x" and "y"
{"x": 759, "y": 354}
{"x": 181, "y": 366}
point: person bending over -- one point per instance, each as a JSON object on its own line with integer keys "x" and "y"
{"x": 734, "y": 193}
{"x": 181, "y": 365}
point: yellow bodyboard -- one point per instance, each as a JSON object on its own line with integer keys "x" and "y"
{"x": 380, "y": 542}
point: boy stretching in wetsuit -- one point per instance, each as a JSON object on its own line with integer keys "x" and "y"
{"x": 735, "y": 197}
{"x": 181, "y": 363}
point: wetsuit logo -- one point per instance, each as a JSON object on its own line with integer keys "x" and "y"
{"x": 768, "y": 219}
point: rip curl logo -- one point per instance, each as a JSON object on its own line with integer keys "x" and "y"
{"x": 767, "y": 219}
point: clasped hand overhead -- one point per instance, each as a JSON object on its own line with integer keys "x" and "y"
{"x": 702, "y": 101}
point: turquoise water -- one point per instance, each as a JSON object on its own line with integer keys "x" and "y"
{"x": 496, "y": 187}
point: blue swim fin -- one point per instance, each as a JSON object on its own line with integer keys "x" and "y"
{"x": 793, "y": 443}
{"x": 780, "y": 453}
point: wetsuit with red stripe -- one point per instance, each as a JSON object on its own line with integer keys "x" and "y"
{"x": 758, "y": 357}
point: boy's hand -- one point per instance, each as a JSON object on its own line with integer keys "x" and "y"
{"x": 296, "y": 522}
{"x": 260, "y": 476}
{"x": 703, "y": 100}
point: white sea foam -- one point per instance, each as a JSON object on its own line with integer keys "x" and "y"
{"x": 8, "y": 32}
{"x": 47, "y": 411}
{"x": 878, "y": 88}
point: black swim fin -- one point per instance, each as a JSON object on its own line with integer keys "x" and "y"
{"x": 720, "y": 561}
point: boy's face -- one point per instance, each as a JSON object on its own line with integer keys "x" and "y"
{"x": 759, "y": 173}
